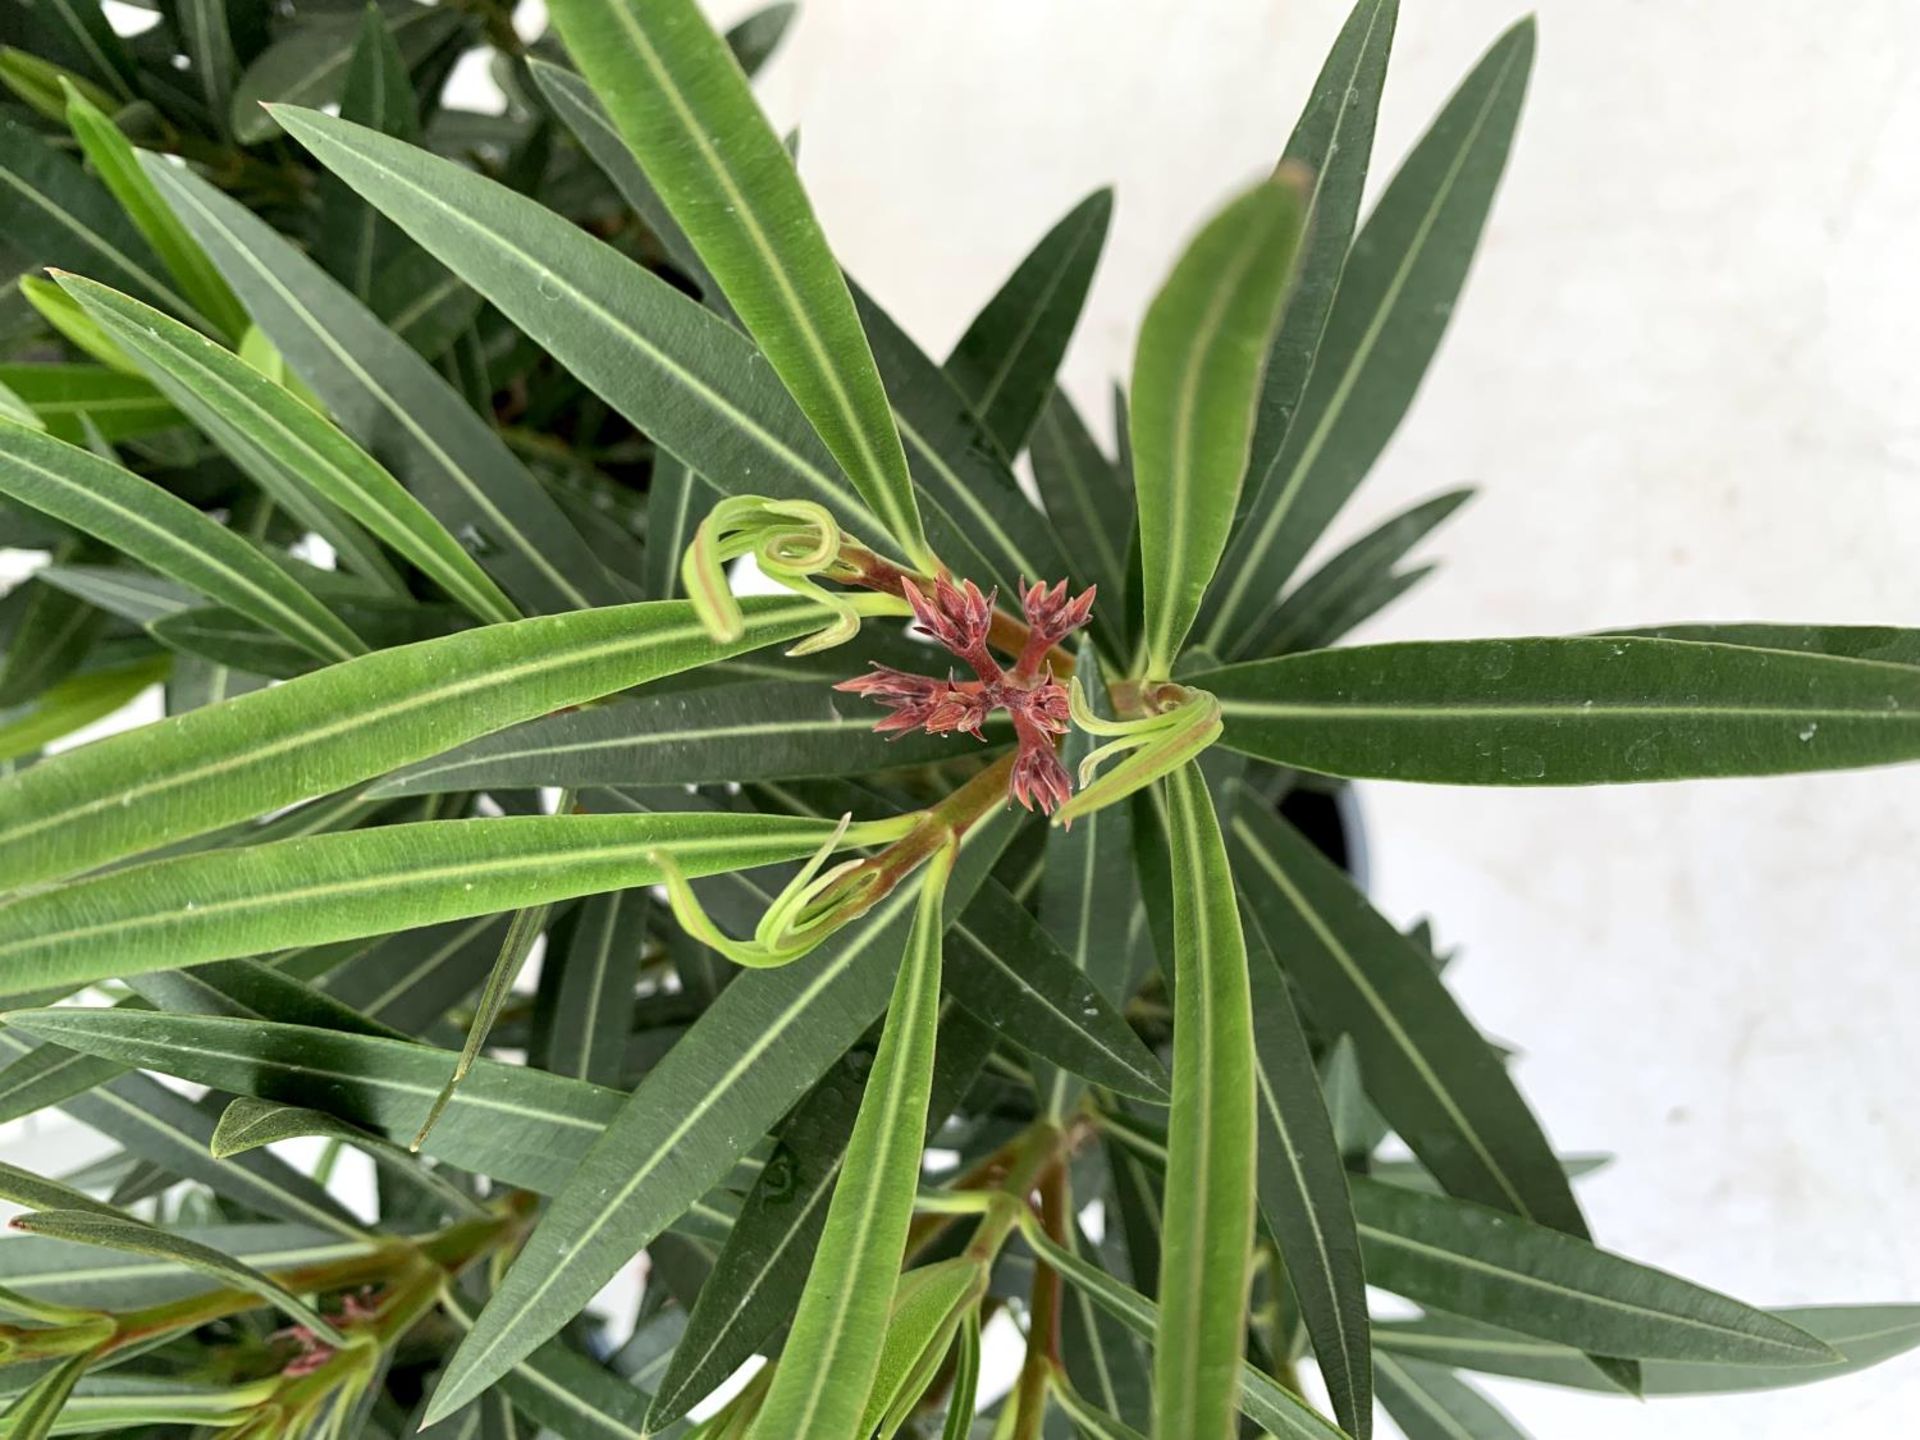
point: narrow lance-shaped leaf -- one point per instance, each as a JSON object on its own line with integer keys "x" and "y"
{"x": 768, "y": 1037}
{"x": 597, "y": 969}
{"x": 678, "y": 499}
{"x": 1567, "y": 712}
{"x": 117, "y": 1232}
{"x": 1005, "y": 362}
{"x": 323, "y": 732}
{"x": 390, "y": 400}
{"x": 66, "y": 399}
{"x": 1395, "y": 298}
{"x": 1330, "y": 601}
{"x": 1487, "y": 1265}
{"x": 325, "y": 888}
{"x": 35, "y": 1413}
{"x": 1434, "y": 1077}
{"x": 1865, "y": 1334}
{"x": 759, "y": 730}
{"x": 1429, "y": 1402}
{"x": 1278, "y": 1411}
{"x": 208, "y": 41}
{"x": 1302, "y": 1186}
{"x": 59, "y": 215}
{"x": 79, "y": 33}
{"x": 1208, "y": 1229}
{"x": 1196, "y": 372}
{"x": 74, "y": 702}
{"x": 354, "y": 238}
{"x": 683, "y": 105}
{"x": 827, "y": 1368}
{"x": 115, "y": 162}
{"x": 563, "y": 1391}
{"x": 695, "y": 384}
{"x": 154, "y": 350}
{"x": 248, "y": 1123}
{"x": 140, "y": 519}
{"x": 1087, "y": 500}
{"x": 23, "y": 1187}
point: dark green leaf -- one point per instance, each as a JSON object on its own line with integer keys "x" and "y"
{"x": 69, "y": 398}
{"x": 1567, "y": 712}
{"x": 1395, "y": 297}
{"x": 1429, "y": 1402}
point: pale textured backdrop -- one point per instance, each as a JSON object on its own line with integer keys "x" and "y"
{"x": 1683, "y": 375}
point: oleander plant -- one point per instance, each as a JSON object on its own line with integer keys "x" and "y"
{"x": 662, "y": 781}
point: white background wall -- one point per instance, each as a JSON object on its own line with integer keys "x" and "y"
{"x": 1683, "y": 375}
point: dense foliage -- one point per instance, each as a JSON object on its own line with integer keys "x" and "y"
{"x": 414, "y": 452}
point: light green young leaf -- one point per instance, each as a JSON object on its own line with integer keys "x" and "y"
{"x": 1429, "y": 1402}
{"x": 267, "y": 427}
{"x": 59, "y": 215}
{"x": 1588, "y": 711}
{"x": 1208, "y": 1227}
{"x": 141, "y": 520}
{"x": 393, "y": 402}
{"x": 1005, "y": 362}
{"x": 73, "y": 324}
{"x": 1490, "y": 1266}
{"x": 36, "y": 1413}
{"x": 324, "y": 888}
{"x": 118, "y": 1232}
{"x": 42, "y": 85}
{"x": 324, "y": 732}
{"x": 1276, "y": 1410}
{"x": 928, "y": 1304}
{"x": 1196, "y": 373}
{"x": 1434, "y": 1077}
{"x": 113, "y": 159}
{"x": 963, "y": 1395}
{"x": 769, "y": 1036}
{"x": 69, "y": 398}
{"x": 1302, "y": 1187}
{"x": 1866, "y": 1335}
{"x": 684, "y": 107}
{"x": 1395, "y": 297}
{"x": 827, "y": 1368}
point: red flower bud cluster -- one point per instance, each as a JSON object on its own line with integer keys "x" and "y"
{"x": 312, "y": 1351}
{"x": 958, "y": 617}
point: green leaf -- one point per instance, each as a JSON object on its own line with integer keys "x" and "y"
{"x": 356, "y": 242}
{"x": 833, "y": 1353}
{"x": 1567, "y": 712}
{"x": 160, "y": 1126}
{"x": 520, "y": 1126}
{"x": 1092, "y": 1423}
{"x": 683, "y": 106}
{"x": 1429, "y": 1402}
{"x": 208, "y": 41}
{"x": 389, "y": 399}
{"x": 1302, "y": 1187}
{"x": 598, "y": 968}
{"x": 1395, "y": 297}
{"x": 1085, "y": 892}
{"x": 1208, "y": 1228}
{"x": 414, "y": 978}
{"x": 308, "y": 63}
{"x": 677, "y": 499}
{"x": 120, "y": 590}
{"x": 768, "y": 1037}
{"x": 1276, "y": 1410}
{"x": 269, "y": 430}
{"x": 323, "y": 888}
{"x": 59, "y": 215}
{"x": 963, "y": 1394}
{"x": 247, "y": 1124}
{"x": 1196, "y": 373}
{"x": 1006, "y": 361}
{"x": 79, "y": 33}
{"x": 36, "y": 1412}
{"x": 69, "y": 398}
{"x": 1884, "y": 643}
{"x": 140, "y": 519}
{"x": 72, "y": 324}
{"x": 1087, "y": 500}
{"x": 117, "y": 1232}
{"x": 76, "y": 702}
{"x": 916, "y": 1335}
{"x": 1866, "y": 1335}
{"x": 41, "y": 84}
{"x": 24, "y": 1188}
{"x": 1434, "y": 1077}
{"x": 114, "y": 160}
{"x": 1104, "y": 1359}
{"x": 1011, "y": 974}
{"x": 52, "y": 639}
{"x": 562, "y": 1390}
{"x": 757, "y": 730}
{"x": 45, "y": 1075}
{"x": 230, "y": 762}
{"x": 1341, "y": 593}
{"x": 1491, "y": 1266}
